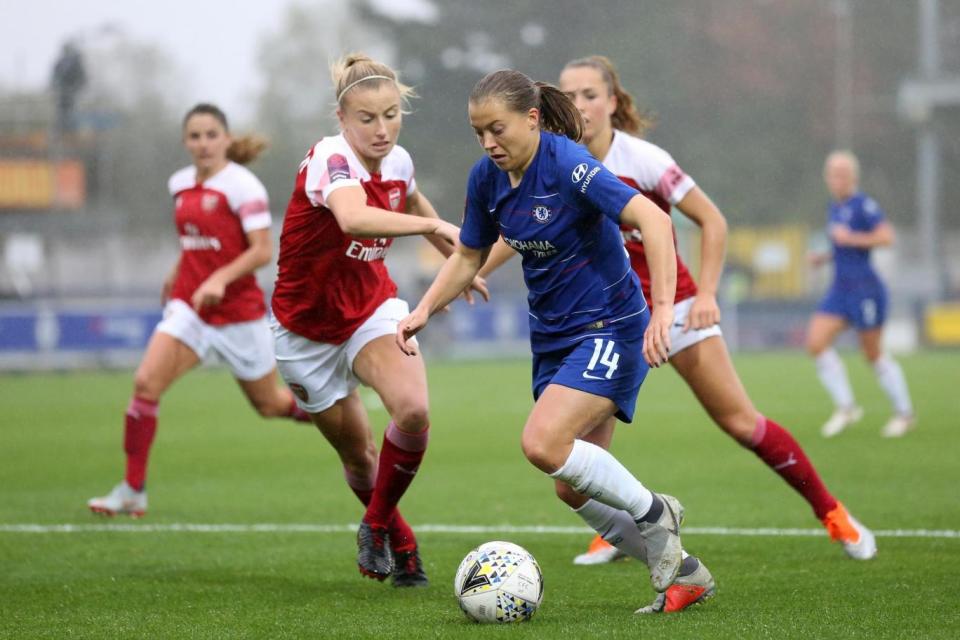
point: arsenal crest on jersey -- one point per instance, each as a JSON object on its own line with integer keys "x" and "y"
{"x": 541, "y": 214}
{"x": 394, "y": 196}
{"x": 209, "y": 202}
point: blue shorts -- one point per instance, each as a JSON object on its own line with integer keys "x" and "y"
{"x": 863, "y": 307}
{"x": 607, "y": 365}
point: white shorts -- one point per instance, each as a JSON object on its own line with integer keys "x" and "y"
{"x": 680, "y": 339}
{"x": 245, "y": 347}
{"x": 320, "y": 373}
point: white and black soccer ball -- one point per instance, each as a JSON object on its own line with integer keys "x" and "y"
{"x": 499, "y": 582}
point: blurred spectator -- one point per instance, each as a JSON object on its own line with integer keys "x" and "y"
{"x": 68, "y": 79}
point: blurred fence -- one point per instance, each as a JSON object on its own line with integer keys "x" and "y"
{"x": 113, "y": 333}
{"x": 83, "y": 298}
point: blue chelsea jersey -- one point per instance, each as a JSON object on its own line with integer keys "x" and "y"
{"x": 563, "y": 218}
{"x": 859, "y": 213}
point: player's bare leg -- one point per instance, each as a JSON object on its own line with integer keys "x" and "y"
{"x": 707, "y": 369}
{"x": 821, "y": 334}
{"x": 693, "y": 584}
{"x": 165, "y": 360}
{"x": 346, "y": 426}
{"x": 551, "y": 441}
{"x": 599, "y": 551}
{"x": 401, "y": 383}
{"x": 271, "y": 400}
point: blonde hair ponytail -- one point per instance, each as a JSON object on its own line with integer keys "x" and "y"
{"x": 360, "y": 69}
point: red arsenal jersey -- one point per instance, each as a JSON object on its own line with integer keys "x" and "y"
{"x": 213, "y": 219}
{"x": 329, "y": 282}
{"x": 652, "y": 171}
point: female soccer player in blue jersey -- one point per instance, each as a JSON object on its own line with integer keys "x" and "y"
{"x": 857, "y": 297}
{"x": 561, "y": 209}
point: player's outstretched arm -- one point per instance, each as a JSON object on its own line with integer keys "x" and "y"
{"x": 657, "y": 231}
{"x": 499, "y": 254}
{"x": 697, "y": 206}
{"x": 356, "y": 218}
{"x": 418, "y": 205}
{"x": 258, "y": 253}
{"x": 456, "y": 273}
{"x": 880, "y": 236}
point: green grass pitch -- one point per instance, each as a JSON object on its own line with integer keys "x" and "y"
{"x": 216, "y": 462}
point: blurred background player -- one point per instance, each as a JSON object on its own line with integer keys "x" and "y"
{"x": 214, "y": 308}
{"x": 590, "y": 329}
{"x": 857, "y": 297}
{"x": 336, "y": 307}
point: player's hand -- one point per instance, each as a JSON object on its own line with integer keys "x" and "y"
{"x": 209, "y": 293}
{"x": 480, "y": 286}
{"x": 409, "y": 327}
{"x": 704, "y": 312}
{"x": 447, "y": 231}
{"x": 656, "y": 339}
{"x": 817, "y": 258}
{"x": 841, "y": 235}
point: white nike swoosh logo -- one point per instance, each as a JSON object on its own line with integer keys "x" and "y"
{"x": 589, "y": 376}
{"x": 790, "y": 462}
{"x": 405, "y": 470}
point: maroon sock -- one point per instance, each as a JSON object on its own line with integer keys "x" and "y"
{"x": 140, "y": 425}
{"x": 401, "y": 535}
{"x": 400, "y": 458}
{"x": 297, "y": 413}
{"x": 776, "y": 447}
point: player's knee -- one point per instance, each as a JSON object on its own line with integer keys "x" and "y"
{"x": 539, "y": 452}
{"x": 412, "y": 417}
{"x": 874, "y": 356}
{"x": 814, "y": 345}
{"x": 360, "y": 461}
{"x": 270, "y": 408}
{"x": 144, "y": 387}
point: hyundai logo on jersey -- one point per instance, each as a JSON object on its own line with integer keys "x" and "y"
{"x": 578, "y": 172}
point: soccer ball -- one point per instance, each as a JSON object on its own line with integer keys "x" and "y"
{"x": 499, "y": 582}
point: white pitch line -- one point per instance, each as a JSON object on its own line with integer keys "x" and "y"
{"x": 431, "y": 528}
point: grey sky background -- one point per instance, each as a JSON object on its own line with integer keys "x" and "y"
{"x": 213, "y": 42}
{"x": 218, "y": 68}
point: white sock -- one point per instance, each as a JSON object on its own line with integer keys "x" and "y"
{"x": 890, "y": 376}
{"x": 595, "y": 473}
{"x": 616, "y": 527}
{"x": 833, "y": 377}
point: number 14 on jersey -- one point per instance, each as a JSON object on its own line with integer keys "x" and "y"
{"x": 603, "y": 355}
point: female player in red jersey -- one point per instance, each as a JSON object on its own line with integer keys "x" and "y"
{"x": 698, "y": 351}
{"x": 336, "y": 307}
{"x": 213, "y": 306}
